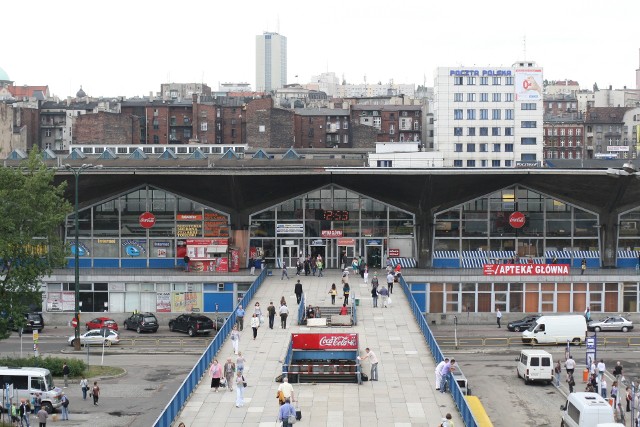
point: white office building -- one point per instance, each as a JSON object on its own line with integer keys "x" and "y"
{"x": 489, "y": 117}
{"x": 271, "y": 62}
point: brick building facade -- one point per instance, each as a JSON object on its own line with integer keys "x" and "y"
{"x": 106, "y": 128}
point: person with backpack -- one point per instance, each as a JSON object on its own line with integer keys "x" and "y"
{"x": 65, "y": 408}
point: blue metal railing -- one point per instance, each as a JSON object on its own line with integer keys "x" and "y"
{"x": 301, "y": 309}
{"x": 287, "y": 358}
{"x": 354, "y": 312}
{"x": 171, "y": 411}
{"x": 456, "y": 393}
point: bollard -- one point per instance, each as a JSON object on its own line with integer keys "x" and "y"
{"x": 585, "y": 375}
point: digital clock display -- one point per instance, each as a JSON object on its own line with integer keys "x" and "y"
{"x": 332, "y": 215}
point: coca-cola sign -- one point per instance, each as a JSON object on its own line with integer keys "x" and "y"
{"x": 325, "y": 341}
{"x": 147, "y": 220}
{"x": 516, "y": 220}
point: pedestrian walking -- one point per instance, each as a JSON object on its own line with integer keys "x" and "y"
{"x": 447, "y": 421}
{"x": 601, "y": 368}
{"x": 445, "y": 371}
{"x": 396, "y": 281}
{"x": 240, "y": 362}
{"x": 287, "y": 412}
{"x": 617, "y": 370}
{"x": 271, "y": 310}
{"x": 95, "y": 393}
{"x": 365, "y": 274}
{"x": 587, "y": 314}
{"x": 319, "y": 266}
{"x": 257, "y": 310}
{"x": 298, "y": 291}
{"x": 285, "y": 391}
{"x": 603, "y": 387}
{"x": 235, "y": 339}
{"x": 42, "y": 415}
{"x": 186, "y": 260}
{"x": 384, "y": 294}
{"x": 333, "y": 292}
{"x": 65, "y": 374}
{"x": 374, "y": 363}
{"x": 583, "y": 266}
{"x": 498, "y": 316}
{"x": 438, "y": 372}
{"x": 284, "y": 271}
{"x": 37, "y": 403}
{"x": 343, "y": 310}
{"x": 25, "y": 410}
{"x": 557, "y": 370}
{"x": 374, "y": 297}
{"x": 570, "y": 365}
{"x": 390, "y": 278}
{"x": 240, "y": 317}
{"x": 255, "y": 324}
{"x": 215, "y": 372}
{"x": 284, "y": 312}
{"x": 252, "y": 266}
{"x": 229, "y": 370}
{"x": 571, "y": 382}
{"x": 84, "y": 386}
{"x": 346, "y": 290}
{"x": 374, "y": 280}
{"x": 240, "y": 385}
{"x": 65, "y": 408}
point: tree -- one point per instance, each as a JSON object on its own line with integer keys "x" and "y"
{"x": 32, "y": 209}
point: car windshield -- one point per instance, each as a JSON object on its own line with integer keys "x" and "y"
{"x": 532, "y": 327}
{"x": 50, "y": 381}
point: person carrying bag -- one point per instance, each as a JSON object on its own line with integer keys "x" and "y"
{"x": 287, "y": 414}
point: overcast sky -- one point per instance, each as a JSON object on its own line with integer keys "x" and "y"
{"x": 130, "y": 47}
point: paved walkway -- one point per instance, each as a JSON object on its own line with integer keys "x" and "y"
{"x": 404, "y": 396}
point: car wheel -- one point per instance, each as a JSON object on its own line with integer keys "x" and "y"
{"x": 126, "y": 325}
{"x": 597, "y": 329}
{"x": 625, "y": 329}
{"x": 171, "y": 327}
{"x": 47, "y": 407}
{"x": 534, "y": 341}
{"x": 138, "y": 330}
{"x": 517, "y": 328}
{"x": 191, "y": 332}
{"x": 518, "y": 373}
{"x": 576, "y": 341}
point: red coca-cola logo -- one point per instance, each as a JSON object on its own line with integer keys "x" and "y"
{"x": 147, "y": 220}
{"x": 337, "y": 341}
{"x": 516, "y": 220}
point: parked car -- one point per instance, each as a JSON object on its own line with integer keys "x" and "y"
{"x": 193, "y": 324}
{"x": 102, "y": 322}
{"x": 522, "y": 324}
{"x": 32, "y": 322}
{"x": 98, "y": 337}
{"x": 611, "y": 323}
{"x": 142, "y": 322}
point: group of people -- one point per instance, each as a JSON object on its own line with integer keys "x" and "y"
{"x": 310, "y": 265}
{"x": 257, "y": 320}
{"x": 442, "y": 371}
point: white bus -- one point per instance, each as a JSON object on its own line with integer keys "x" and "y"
{"x": 27, "y": 382}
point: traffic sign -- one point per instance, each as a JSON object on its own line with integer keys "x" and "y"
{"x": 74, "y": 322}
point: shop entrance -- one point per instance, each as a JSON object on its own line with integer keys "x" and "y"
{"x": 289, "y": 253}
{"x": 318, "y": 247}
{"x": 373, "y": 256}
{"x": 346, "y": 254}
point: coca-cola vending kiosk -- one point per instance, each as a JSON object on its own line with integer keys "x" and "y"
{"x": 324, "y": 341}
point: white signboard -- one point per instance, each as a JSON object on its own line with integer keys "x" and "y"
{"x": 617, "y": 148}
{"x": 289, "y": 229}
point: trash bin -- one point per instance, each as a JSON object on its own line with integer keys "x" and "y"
{"x": 585, "y": 375}
{"x": 358, "y": 301}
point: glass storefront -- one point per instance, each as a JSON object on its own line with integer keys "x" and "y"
{"x": 332, "y": 222}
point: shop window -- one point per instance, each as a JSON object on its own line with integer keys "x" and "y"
{"x": 484, "y": 299}
{"x": 515, "y": 298}
{"x": 629, "y": 301}
{"x": 435, "y": 298}
{"x": 610, "y": 297}
{"x": 579, "y": 297}
{"x": 563, "y": 302}
{"x": 453, "y": 302}
{"x": 531, "y": 295}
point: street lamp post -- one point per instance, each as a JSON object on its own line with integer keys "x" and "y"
{"x": 76, "y": 171}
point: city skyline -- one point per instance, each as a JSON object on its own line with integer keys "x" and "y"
{"x": 131, "y": 51}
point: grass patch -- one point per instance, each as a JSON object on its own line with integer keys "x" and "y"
{"x": 102, "y": 371}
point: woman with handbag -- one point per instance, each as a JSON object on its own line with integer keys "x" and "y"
{"x": 215, "y": 372}
{"x": 240, "y": 385}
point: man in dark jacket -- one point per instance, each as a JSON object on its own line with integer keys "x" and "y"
{"x": 298, "y": 291}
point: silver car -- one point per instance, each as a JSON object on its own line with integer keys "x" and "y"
{"x": 98, "y": 337}
{"x": 611, "y": 323}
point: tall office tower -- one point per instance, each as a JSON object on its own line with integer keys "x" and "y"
{"x": 271, "y": 61}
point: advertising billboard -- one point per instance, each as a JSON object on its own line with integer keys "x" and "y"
{"x": 528, "y": 84}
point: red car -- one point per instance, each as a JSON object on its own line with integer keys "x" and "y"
{"x": 102, "y": 322}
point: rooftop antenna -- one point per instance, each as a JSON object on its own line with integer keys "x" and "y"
{"x": 278, "y": 24}
{"x": 524, "y": 46}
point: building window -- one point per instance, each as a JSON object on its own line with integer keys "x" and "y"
{"x": 508, "y": 97}
{"x": 156, "y": 139}
{"x": 233, "y": 133}
{"x": 528, "y": 141}
{"x": 497, "y": 81}
{"x": 484, "y": 97}
{"x": 529, "y": 157}
{"x": 204, "y": 126}
{"x": 495, "y": 114}
{"x": 508, "y": 114}
{"x": 457, "y": 163}
{"x": 345, "y": 124}
{"x": 484, "y": 114}
{"x": 483, "y": 163}
{"x": 508, "y": 131}
{"x": 471, "y": 131}
{"x": 385, "y": 163}
{"x": 471, "y": 97}
{"x": 578, "y": 132}
{"x": 457, "y": 81}
{"x": 186, "y": 120}
{"x": 458, "y": 97}
{"x": 471, "y": 81}
{"x": 471, "y": 148}
{"x": 172, "y": 121}
{"x": 484, "y": 81}
{"x": 457, "y": 131}
{"x": 507, "y": 163}
{"x": 458, "y": 148}
{"x": 47, "y": 133}
{"x": 528, "y": 124}
{"x": 471, "y": 163}
{"x": 496, "y": 148}
{"x": 508, "y": 81}
{"x": 495, "y": 131}
{"x": 156, "y": 124}
{"x": 508, "y": 148}
{"x": 528, "y": 106}
{"x": 495, "y": 163}
{"x": 484, "y": 131}
{"x": 471, "y": 114}
{"x": 392, "y": 129}
{"x": 496, "y": 97}
{"x": 484, "y": 148}
{"x": 187, "y": 133}
{"x": 457, "y": 114}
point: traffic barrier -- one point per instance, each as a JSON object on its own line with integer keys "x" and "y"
{"x": 173, "y": 408}
{"x": 478, "y": 412}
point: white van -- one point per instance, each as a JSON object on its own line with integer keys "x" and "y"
{"x": 586, "y": 410}
{"x": 556, "y": 330}
{"x": 535, "y": 365}
{"x": 27, "y": 382}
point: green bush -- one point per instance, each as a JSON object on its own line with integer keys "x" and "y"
{"x": 53, "y": 364}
